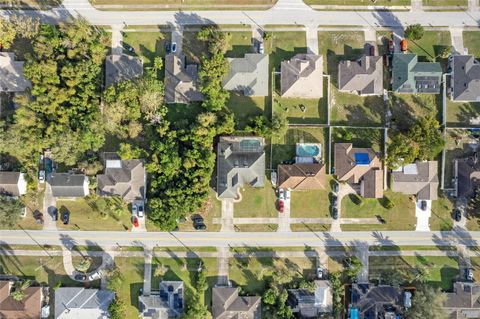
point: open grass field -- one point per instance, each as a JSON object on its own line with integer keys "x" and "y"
{"x": 185, "y": 269}
{"x": 441, "y": 218}
{"x": 400, "y": 217}
{"x": 84, "y": 217}
{"x": 251, "y": 274}
{"x": 257, "y": 202}
{"x": 463, "y": 114}
{"x": 359, "y": 2}
{"x": 471, "y": 41}
{"x": 132, "y": 281}
{"x": 430, "y": 45}
{"x": 442, "y": 271}
{"x": 33, "y": 202}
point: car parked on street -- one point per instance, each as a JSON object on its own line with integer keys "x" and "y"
{"x": 281, "y": 206}
{"x": 199, "y": 226}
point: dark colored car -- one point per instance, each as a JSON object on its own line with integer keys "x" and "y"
{"x": 55, "y": 214}
{"x": 200, "y": 226}
{"x": 66, "y": 217}
{"x": 174, "y": 47}
{"x": 128, "y": 48}
{"x": 457, "y": 215}
{"x": 372, "y": 50}
{"x": 334, "y": 201}
{"x": 335, "y": 187}
{"x": 80, "y": 277}
{"x": 334, "y": 213}
{"x": 168, "y": 47}
{"x": 423, "y": 205}
{"x": 197, "y": 220}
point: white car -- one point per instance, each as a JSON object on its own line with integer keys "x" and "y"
{"x": 281, "y": 193}
{"x": 94, "y": 276}
{"x": 140, "y": 210}
{"x": 134, "y": 210}
{"x": 287, "y": 194}
{"x": 41, "y": 176}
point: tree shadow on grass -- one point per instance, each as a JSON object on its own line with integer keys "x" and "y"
{"x": 467, "y": 112}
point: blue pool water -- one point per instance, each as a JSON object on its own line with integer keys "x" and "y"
{"x": 308, "y": 150}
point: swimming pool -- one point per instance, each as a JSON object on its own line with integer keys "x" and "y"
{"x": 308, "y": 150}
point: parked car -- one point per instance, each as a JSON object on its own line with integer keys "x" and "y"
{"x": 140, "y": 210}
{"x": 335, "y": 187}
{"x": 334, "y": 200}
{"x": 281, "y": 206}
{"x": 127, "y": 47}
{"x": 403, "y": 45}
{"x": 168, "y": 47}
{"x": 135, "y": 221}
{"x": 94, "y": 276}
{"x": 134, "y": 210}
{"x": 391, "y": 46}
{"x": 281, "y": 193}
{"x": 174, "y": 47}
{"x": 261, "y": 48}
{"x": 469, "y": 274}
{"x": 80, "y": 277}
{"x": 457, "y": 215}
{"x": 320, "y": 273}
{"x": 372, "y": 50}
{"x": 423, "y": 205}
{"x": 197, "y": 220}
{"x": 66, "y": 217}
{"x": 41, "y": 176}
{"x": 287, "y": 194}
{"x": 407, "y": 299}
{"x": 199, "y": 226}
{"x": 334, "y": 213}
{"x": 54, "y": 213}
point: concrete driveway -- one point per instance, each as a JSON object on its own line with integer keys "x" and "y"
{"x": 423, "y": 216}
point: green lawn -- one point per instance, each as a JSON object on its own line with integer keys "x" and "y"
{"x": 283, "y": 149}
{"x": 310, "y": 227}
{"x": 355, "y": 110}
{"x": 311, "y": 204}
{"x": 430, "y": 45}
{"x": 442, "y": 271}
{"x": 185, "y": 269}
{"x": 462, "y": 114}
{"x": 252, "y": 273}
{"x": 34, "y": 4}
{"x": 246, "y": 107}
{"x": 283, "y": 45}
{"x": 359, "y": 2}
{"x": 400, "y": 217}
{"x": 471, "y": 41}
{"x": 359, "y": 137}
{"x": 84, "y": 217}
{"x": 240, "y": 43}
{"x": 463, "y": 3}
{"x": 147, "y": 45}
{"x": 257, "y": 202}
{"x": 96, "y": 262}
{"x": 406, "y": 108}
{"x": 255, "y": 228}
{"x": 132, "y": 274}
{"x": 476, "y": 267}
{"x": 33, "y": 202}
{"x": 441, "y": 218}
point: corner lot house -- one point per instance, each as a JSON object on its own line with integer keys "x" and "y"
{"x": 464, "y": 301}
{"x": 126, "y": 179}
{"x": 420, "y": 179}
{"x": 29, "y": 308}
{"x": 364, "y": 76}
{"x": 13, "y": 184}
{"x": 411, "y": 76}
{"x": 11, "y": 74}
{"x": 248, "y": 75}
{"x": 240, "y": 161}
{"x": 181, "y": 80}
{"x": 308, "y": 304}
{"x": 69, "y": 185}
{"x": 226, "y": 303}
{"x": 302, "y": 76}
{"x": 169, "y": 302}
{"x": 361, "y": 168}
{"x": 465, "y": 82}
{"x": 122, "y": 67}
{"x": 76, "y": 303}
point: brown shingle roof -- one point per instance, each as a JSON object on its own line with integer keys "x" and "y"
{"x": 301, "y": 176}
{"x": 28, "y": 308}
{"x": 372, "y": 186}
{"x": 419, "y": 179}
{"x": 364, "y": 76}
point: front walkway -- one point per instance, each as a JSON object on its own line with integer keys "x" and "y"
{"x": 223, "y": 266}
{"x": 147, "y": 273}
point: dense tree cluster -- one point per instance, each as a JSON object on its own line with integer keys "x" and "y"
{"x": 15, "y": 27}
{"x": 427, "y": 302}
{"x": 423, "y": 141}
{"x": 262, "y": 126}
{"x": 10, "y": 210}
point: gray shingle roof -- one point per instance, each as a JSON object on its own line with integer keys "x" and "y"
{"x": 181, "y": 81}
{"x": 371, "y": 300}
{"x": 9, "y": 183}
{"x": 364, "y": 76}
{"x": 419, "y": 179}
{"x": 81, "y": 303}
{"x": 465, "y": 79}
{"x": 240, "y": 160}
{"x": 68, "y": 185}
{"x": 11, "y": 74}
{"x": 464, "y": 301}
{"x": 227, "y": 304}
{"x": 302, "y": 76}
{"x": 167, "y": 303}
{"x": 122, "y": 67}
{"x": 411, "y": 76}
{"x": 248, "y": 75}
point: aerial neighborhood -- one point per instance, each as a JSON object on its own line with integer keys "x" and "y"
{"x": 239, "y": 159}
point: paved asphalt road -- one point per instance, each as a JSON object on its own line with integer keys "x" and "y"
{"x": 196, "y": 239}
{"x": 283, "y": 13}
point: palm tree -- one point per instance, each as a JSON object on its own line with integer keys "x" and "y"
{"x": 18, "y": 293}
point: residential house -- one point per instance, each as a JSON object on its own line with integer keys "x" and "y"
{"x": 248, "y": 74}
{"x": 126, "y": 179}
{"x": 464, "y": 301}
{"x": 301, "y": 176}
{"x": 361, "y": 168}
{"x": 306, "y": 304}
{"x": 411, "y": 76}
{"x": 181, "y": 80}
{"x": 368, "y": 301}
{"x": 122, "y": 67}
{"x": 465, "y": 79}
{"x": 420, "y": 179}
{"x": 29, "y": 307}
{"x": 364, "y": 76}
{"x": 13, "y": 184}
{"x": 167, "y": 303}
{"x": 82, "y": 303}
{"x": 240, "y": 161}
{"x": 302, "y": 76}
{"x": 69, "y": 185}
{"x": 12, "y": 78}
{"x": 467, "y": 179}
{"x": 227, "y": 304}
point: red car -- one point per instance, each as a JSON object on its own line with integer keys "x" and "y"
{"x": 281, "y": 206}
{"x": 135, "y": 221}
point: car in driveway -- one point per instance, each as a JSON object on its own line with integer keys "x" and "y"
{"x": 391, "y": 46}
{"x": 334, "y": 213}
{"x": 287, "y": 194}
{"x": 198, "y": 220}
{"x": 281, "y": 193}
{"x": 168, "y": 47}
{"x": 261, "y": 48}
{"x": 134, "y": 210}
{"x": 281, "y": 206}
{"x": 135, "y": 221}
{"x": 66, "y": 217}
{"x": 334, "y": 200}
{"x": 423, "y": 205}
{"x": 127, "y": 47}
{"x": 174, "y": 47}
{"x": 200, "y": 226}
{"x": 54, "y": 213}
{"x": 41, "y": 176}
{"x": 320, "y": 273}
{"x": 94, "y": 276}
{"x": 469, "y": 274}
{"x": 80, "y": 277}
{"x": 457, "y": 215}
{"x": 335, "y": 187}
{"x": 141, "y": 212}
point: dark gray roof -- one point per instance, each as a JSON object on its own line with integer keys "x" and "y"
{"x": 420, "y": 179}
{"x": 181, "y": 80}
{"x": 372, "y": 300}
{"x": 81, "y": 303}
{"x": 122, "y": 67}
{"x": 468, "y": 176}
{"x": 364, "y": 76}
{"x": 465, "y": 79}
{"x": 311, "y": 304}
{"x": 464, "y": 301}
{"x": 167, "y": 303}
{"x": 411, "y": 76}
{"x": 68, "y": 185}
{"x": 240, "y": 160}
{"x": 9, "y": 183}
{"x": 248, "y": 75}
{"x": 227, "y": 304}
